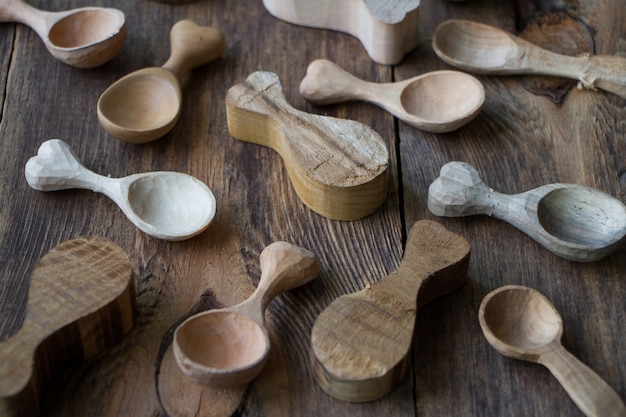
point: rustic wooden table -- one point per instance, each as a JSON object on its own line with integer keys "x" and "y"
{"x": 532, "y": 131}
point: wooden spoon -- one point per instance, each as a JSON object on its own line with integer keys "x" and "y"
{"x": 360, "y": 342}
{"x": 145, "y": 105}
{"x": 228, "y": 347}
{"x": 521, "y": 323}
{"x": 80, "y": 302}
{"x": 337, "y": 167}
{"x": 165, "y": 205}
{"x": 438, "y": 101}
{"x": 573, "y": 221}
{"x": 86, "y": 37}
{"x": 484, "y": 49}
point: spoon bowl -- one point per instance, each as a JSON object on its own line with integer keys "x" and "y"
{"x": 438, "y": 101}
{"x": 521, "y": 323}
{"x": 165, "y": 205}
{"x": 85, "y": 37}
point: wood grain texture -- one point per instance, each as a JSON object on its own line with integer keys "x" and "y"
{"x": 517, "y": 135}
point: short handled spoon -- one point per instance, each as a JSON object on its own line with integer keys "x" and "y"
{"x": 438, "y": 101}
{"x": 573, "y": 221}
{"x": 146, "y": 104}
{"x": 519, "y": 322}
{"x": 165, "y": 205}
{"x": 228, "y": 347}
{"x": 84, "y": 38}
{"x": 479, "y": 48}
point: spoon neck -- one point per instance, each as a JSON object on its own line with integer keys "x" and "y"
{"x": 542, "y": 61}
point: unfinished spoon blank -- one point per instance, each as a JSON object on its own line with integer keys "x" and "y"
{"x": 387, "y": 29}
{"x": 165, "y": 205}
{"x": 519, "y": 322}
{"x": 479, "y": 48}
{"x": 573, "y": 221}
{"x": 80, "y": 302}
{"x": 337, "y": 167}
{"x": 361, "y": 341}
{"x": 438, "y": 101}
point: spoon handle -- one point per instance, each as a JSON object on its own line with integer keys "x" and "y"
{"x": 19, "y": 11}
{"x": 591, "y": 393}
{"x": 193, "y": 46}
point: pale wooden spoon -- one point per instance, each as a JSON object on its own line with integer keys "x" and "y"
{"x": 519, "y": 322}
{"x": 337, "y": 167}
{"x": 228, "y": 347}
{"x": 484, "y": 49}
{"x": 360, "y": 342}
{"x": 438, "y": 101}
{"x": 166, "y": 205}
{"x": 144, "y": 105}
{"x": 80, "y": 302}
{"x": 86, "y": 37}
{"x": 573, "y": 221}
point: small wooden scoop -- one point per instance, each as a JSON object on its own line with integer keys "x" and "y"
{"x": 360, "y": 343}
{"x": 573, "y": 221}
{"x": 80, "y": 302}
{"x": 521, "y": 323}
{"x": 228, "y": 347}
{"x": 388, "y": 29}
{"x": 438, "y": 101}
{"x": 484, "y": 49}
{"x": 337, "y": 167}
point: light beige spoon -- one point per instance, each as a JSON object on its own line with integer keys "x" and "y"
{"x": 438, "y": 101}
{"x": 85, "y": 37}
{"x": 228, "y": 347}
{"x": 519, "y": 322}
{"x": 165, "y": 205}
{"x": 145, "y": 105}
{"x": 573, "y": 221}
{"x": 484, "y": 49}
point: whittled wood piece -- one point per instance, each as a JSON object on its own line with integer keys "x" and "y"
{"x": 360, "y": 342}
{"x": 476, "y": 47}
{"x": 573, "y": 221}
{"x": 387, "y": 29}
{"x": 519, "y": 322}
{"x": 80, "y": 302}
{"x": 337, "y": 167}
{"x": 85, "y": 37}
{"x": 438, "y": 101}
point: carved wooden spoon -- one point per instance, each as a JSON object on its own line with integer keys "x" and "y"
{"x": 438, "y": 101}
{"x": 360, "y": 342}
{"x": 573, "y": 221}
{"x": 165, "y": 205}
{"x": 337, "y": 167}
{"x": 484, "y": 49}
{"x": 228, "y": 347}
{"x": 145, "y": 105}
{"x": 84, "y": 38}
{"x": 80, "y": 302}
{"x": 521, "y": 323}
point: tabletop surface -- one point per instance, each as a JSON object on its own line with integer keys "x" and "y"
{"x": 531, "y": 131}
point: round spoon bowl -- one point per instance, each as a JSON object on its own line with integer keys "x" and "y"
{"x": 221, "y": 348}
{"x": 583, "y": 216}
{"x": 445, "y": 100}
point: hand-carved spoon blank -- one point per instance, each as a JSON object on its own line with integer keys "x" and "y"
{"x": 438, "y": 101}
{"x": 337, "y": 167}
{"x": 388, "y": 29}
{"x": 521, "y": 323}
{"x": 484, "y": 49}
{"x": 360, "y": 342}
{"x": 573, "y": 221}
{"x": 228, "y": 347}
{"x": 146, "y": 104}
{"x": 86, "y": 37}
{"x": 165, "y": 205}
{"x": 80, "y": 302}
